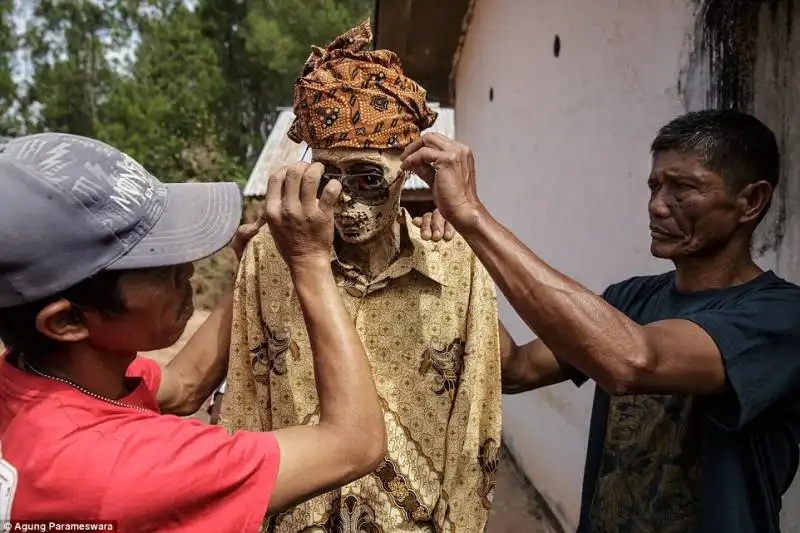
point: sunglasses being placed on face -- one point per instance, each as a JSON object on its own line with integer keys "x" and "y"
{"x": 362, "y": 185}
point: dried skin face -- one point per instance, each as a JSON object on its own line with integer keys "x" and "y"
{"x": 362, "y": 215}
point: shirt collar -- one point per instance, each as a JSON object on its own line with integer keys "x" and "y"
{"x": 423, "y": 256}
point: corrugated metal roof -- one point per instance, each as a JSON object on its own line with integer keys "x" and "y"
{"x": 279, "y": 150}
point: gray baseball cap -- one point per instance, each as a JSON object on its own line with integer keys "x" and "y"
{"x": 72, "y": 206}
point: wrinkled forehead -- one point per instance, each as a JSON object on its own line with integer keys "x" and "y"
{"x": 678, "y": 163}
{"x": 345, "y": 157}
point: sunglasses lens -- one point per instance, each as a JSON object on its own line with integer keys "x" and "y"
{"x": 368, "y": 183}
{"x": 362, "y": 186}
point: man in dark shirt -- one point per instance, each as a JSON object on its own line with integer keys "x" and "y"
{"x": 696, "y": 416}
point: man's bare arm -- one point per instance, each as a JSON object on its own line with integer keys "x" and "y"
{"x": 527, "y": 367}
{"x": 350, "y": 439}
{"x": 198, "y": 369}
{"x": 673, "y": 356}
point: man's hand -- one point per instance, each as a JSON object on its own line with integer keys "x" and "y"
{"x": 244, "y": 234}
{"x": 433, "y": 227}
{"x": 301, "y": 225}
{"x": 449, "y": 169}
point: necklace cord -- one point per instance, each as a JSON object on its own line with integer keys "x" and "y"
{"x": 85, "y": 391}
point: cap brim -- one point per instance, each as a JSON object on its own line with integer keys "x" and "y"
{"x": 199, "y": 220}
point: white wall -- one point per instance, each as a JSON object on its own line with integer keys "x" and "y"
{"x": 562, "y": 160}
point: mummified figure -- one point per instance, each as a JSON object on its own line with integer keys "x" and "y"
{"x": 426, "y": 313}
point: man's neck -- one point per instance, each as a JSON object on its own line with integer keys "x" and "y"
{"x": 730, "y": 267}
{"x": 371, "y": 258}
{"x": 102, "y": 374}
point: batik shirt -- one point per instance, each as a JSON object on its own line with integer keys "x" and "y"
{"x": 429, "y": 327}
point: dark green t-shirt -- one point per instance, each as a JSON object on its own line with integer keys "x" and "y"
{"x": 678, "y": 464}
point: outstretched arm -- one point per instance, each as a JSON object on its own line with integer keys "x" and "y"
{"x": 350, "y": 439}
{"x": 199, "y": 368}
{"x": 670, "y": 356}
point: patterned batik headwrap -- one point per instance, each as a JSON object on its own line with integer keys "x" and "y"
{"x": 348, "y": 97}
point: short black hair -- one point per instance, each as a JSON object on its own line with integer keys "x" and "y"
{"x": 100, "y": 293}
{"x": 735, "y": 145}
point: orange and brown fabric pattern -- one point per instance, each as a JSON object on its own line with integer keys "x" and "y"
{"x": 349, "y": 97}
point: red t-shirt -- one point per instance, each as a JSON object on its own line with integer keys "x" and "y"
{"x": 80, "y": 458}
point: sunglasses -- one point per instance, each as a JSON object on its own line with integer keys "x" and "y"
{"x": 361, "y": 185}
{"x": 369, "y": 186}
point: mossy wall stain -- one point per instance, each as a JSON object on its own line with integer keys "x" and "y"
{"x": 728, "y": 31}
{"x": 727, "y": 46}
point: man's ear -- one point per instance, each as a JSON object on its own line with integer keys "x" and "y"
{"x": 754, "y": 200}
{"x": 62, "y": 322}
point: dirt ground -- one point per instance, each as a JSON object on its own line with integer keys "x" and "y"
{"x": 517, "y": 507}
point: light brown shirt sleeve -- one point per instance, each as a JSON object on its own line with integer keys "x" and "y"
{"x": 240, "y": 404}
{"x": 473, "y": 432}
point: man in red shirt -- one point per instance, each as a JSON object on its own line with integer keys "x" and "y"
{"x": 95, "y": 268}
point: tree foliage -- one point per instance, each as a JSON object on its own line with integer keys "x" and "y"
{"x": 262, "y": 46}
{"x": 9, "y": 124}
{"x": 190, "y": 88}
